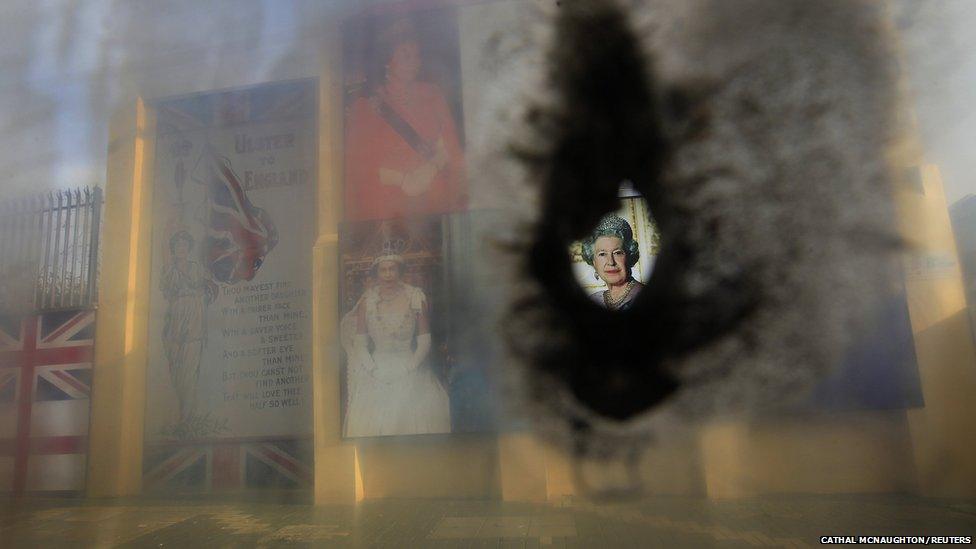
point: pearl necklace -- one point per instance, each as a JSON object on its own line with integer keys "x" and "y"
{"x": 615, "y": 303}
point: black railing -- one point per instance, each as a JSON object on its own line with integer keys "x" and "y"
{"x": 49, "y": 250}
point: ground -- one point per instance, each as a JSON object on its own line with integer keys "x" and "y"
{"x": 784, "y": 521}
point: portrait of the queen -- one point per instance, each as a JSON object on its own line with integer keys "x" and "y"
{"x": 611, "y": 264}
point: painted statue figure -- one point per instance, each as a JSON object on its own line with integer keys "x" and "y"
{"x": 188, "y": 292}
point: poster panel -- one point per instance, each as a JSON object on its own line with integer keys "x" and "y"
{"x": 595, "y": 274}
{"x": 393, "y": 328}
{"x": 404, "y": 152}
{"x": 417, "y": 354}
{"x": 234, "y": 192}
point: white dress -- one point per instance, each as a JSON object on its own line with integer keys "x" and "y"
{"x": 385, "y": 395}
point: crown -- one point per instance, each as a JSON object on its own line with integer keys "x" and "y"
{"x": 613, "y": 223}
{"x": 401, "y": 30}
{"x": 394, "y": 246}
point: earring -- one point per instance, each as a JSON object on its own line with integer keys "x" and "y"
{"x": 596, "y": 275}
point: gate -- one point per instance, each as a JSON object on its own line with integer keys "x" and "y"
{"x": 48, "y": 294}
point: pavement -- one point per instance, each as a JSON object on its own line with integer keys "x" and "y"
{"x": 290, "y": 520}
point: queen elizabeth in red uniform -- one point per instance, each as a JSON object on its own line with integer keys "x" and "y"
{"x": 403, "y": 156}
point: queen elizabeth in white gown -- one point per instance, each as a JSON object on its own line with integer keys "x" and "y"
{"x": 391, "y": 389}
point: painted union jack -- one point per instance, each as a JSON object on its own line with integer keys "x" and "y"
{"x": 239, "y": 234}
{"x": 230, "y": 465}
{"x": 45, "y": 387}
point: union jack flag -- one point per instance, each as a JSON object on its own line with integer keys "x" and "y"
{"x": 11, "y": 333}
{"x": 178, "y": 467}
{"x": 276, "y": 464}
{"x": 45, "y": 387}
{"x": 270, "y": 102}
{"x": 239, "y": 234}
{"x": 63, "y": 382}
{"x": 8, "y": 385}
{"x": 229, "y": 465}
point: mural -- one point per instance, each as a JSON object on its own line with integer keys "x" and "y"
{"x": 45, "y": 397}
{"x": 234, "y": 195}
{"x": 392, "y": 330}
{"x": 403, "y": 152}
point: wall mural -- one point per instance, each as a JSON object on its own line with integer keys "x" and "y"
{"x": 234, "y": 195}
{"x": 392, "y": 329}
{"x": 405, "y": 367}
{"x": 403, "y": 140}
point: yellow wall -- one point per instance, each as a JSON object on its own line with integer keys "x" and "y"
{"x": 670, "y": 466}
{"x": 119, "y": 383}
{"x": 930, "y": 450}
{"x": 337, "y": 474}
{"x": 464, "y": 466}
{"x": 867, "y": 452}
{"x": 944, "y": 431}
{"x": 432, "y": 466}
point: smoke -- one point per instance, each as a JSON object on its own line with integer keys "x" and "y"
{"x": 69, "y": 66}
{"x": 937, "y": 42}
{"x": 757, "y": 133}
{"x": 769, "y": 179}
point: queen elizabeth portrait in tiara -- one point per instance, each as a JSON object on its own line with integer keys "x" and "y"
{"x": 612, "y": 252}
{"x": 391, "y": 389}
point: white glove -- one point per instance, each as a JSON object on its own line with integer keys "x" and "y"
{"x": 362, "y": 356}
{"x": 423, "y": 349}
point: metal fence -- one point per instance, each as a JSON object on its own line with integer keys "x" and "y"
{"x": 49, "y": 250}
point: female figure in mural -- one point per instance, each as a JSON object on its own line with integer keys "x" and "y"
{"x": 402, "y": 150}
{"x": 391, "y": 387}
{"x": 612, "y": 252}
{"x": 188, "y": 292}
